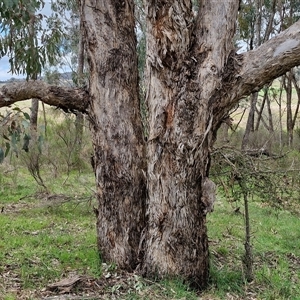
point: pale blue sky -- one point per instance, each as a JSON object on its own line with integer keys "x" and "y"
{"x": 4, "y": 63}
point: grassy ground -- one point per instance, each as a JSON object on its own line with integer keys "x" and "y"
{"x": 276, "y": 250}
{"x": 47, "y": 237}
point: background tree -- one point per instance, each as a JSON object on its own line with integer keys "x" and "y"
{"x": 73, "y": 47}
{"x": 28, "y": 44}
{"x": 257, "y": 23}
{"x": 151, "y": 214}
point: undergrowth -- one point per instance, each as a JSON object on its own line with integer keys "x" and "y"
{"x": 49, "y": 233}
{"x": 47, "y": 237}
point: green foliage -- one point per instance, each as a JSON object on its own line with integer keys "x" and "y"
{"x": 45, "y": 237}
{"x": 67, "y": 12}
{"x": 264, "y": 175}
{"x": 252, "y": 29}
{"x": 34, "y": 247}
{"x": 54, "y": 149}
{"x": 246, "y": 21}
{"x": 24, "y": 38}
{"x": 63, "y": 141}
{"x": 15, "y": 132}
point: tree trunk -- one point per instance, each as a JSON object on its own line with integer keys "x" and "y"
{"x": 280, "y": 113}
{"x": 175, "y": 240}
{"x": 287, "y": 83}
{"x": 258, "y": 28}
{"x": 79, "y": 122}
{"x": 250, "y": 121}
{"x": 194, "y": 78}
{"x": 34, "y": 115}
{"x": 117, "y": 131}
{"x": 260, "y": 110}
{"x": 297, "y": 88}
{"x": 270, "y": 117}
{"x": 34, "y": 102}
{"x": 257, "y": 32}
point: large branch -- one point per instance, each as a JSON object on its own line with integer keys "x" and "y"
{"x": 71, "y": 99}
{"x": 250, "y": 71}
{"x": 271, "y": 60}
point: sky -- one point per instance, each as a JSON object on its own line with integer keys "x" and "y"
{"x": 4, "y": 68}
{"x": 4, "y": 63}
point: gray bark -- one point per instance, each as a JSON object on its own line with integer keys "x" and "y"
{"x": 180, "y": 56}
{"x": 66, "y": 98}
{"x": 79, "y": 122}
{"x": 152, "y": 205}
{"x": 250, "y": 121}
{"x": 117, "y": 132}
{"x": 248, "y": 72}
{"x": 34, "y": 114}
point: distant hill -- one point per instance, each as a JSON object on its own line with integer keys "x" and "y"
{"x": 67, "y": 76}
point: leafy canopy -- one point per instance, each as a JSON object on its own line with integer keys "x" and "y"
{"x": 29, "y": 38}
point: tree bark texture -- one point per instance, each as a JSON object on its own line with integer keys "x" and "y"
{"x": 117, "y": 132}
{"x": 248, "y": 72}
{"x": 79, "y": 122}
{"x": 68, "y": 99}
{"x": 182, "y": 53}
{"x": 153, "y": 198}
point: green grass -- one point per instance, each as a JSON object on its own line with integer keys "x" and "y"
{"x": 45, "y": 239}
{"x": 276, "y": 250}
{"x": 44, "y": 243}
{"x": 41, "y": 241}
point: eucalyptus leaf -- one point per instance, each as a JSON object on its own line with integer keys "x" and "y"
{"x": 26, "y": 115}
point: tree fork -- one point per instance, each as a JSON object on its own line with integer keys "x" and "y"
{"x": 194, "y": 78}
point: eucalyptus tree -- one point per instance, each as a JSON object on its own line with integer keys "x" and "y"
{"x": 258, "y": 21}
{"x": 28, "y": 43}
{"x": 152, "y": 193}
{"x": 73, "y": 47}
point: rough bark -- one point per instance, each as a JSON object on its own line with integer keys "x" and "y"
{"x": 117, "y": 132}
{"x": 34, "y": 110}
{"x": 66, "y": 98}
{"x": 248, "y": 72}
{"x": 79, "y": 122}
{"x": 194, "y": 78}
{"x": 34, "y": 114}
{"x": 184, "y": 64}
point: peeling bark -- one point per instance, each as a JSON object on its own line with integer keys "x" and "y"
{"x": 153, "y": 198}
{"x": 181, "y": 77}
{"x": 117, "y": 131}
{"x": 249, "y": 72}
{"x": 66, "y": 98}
